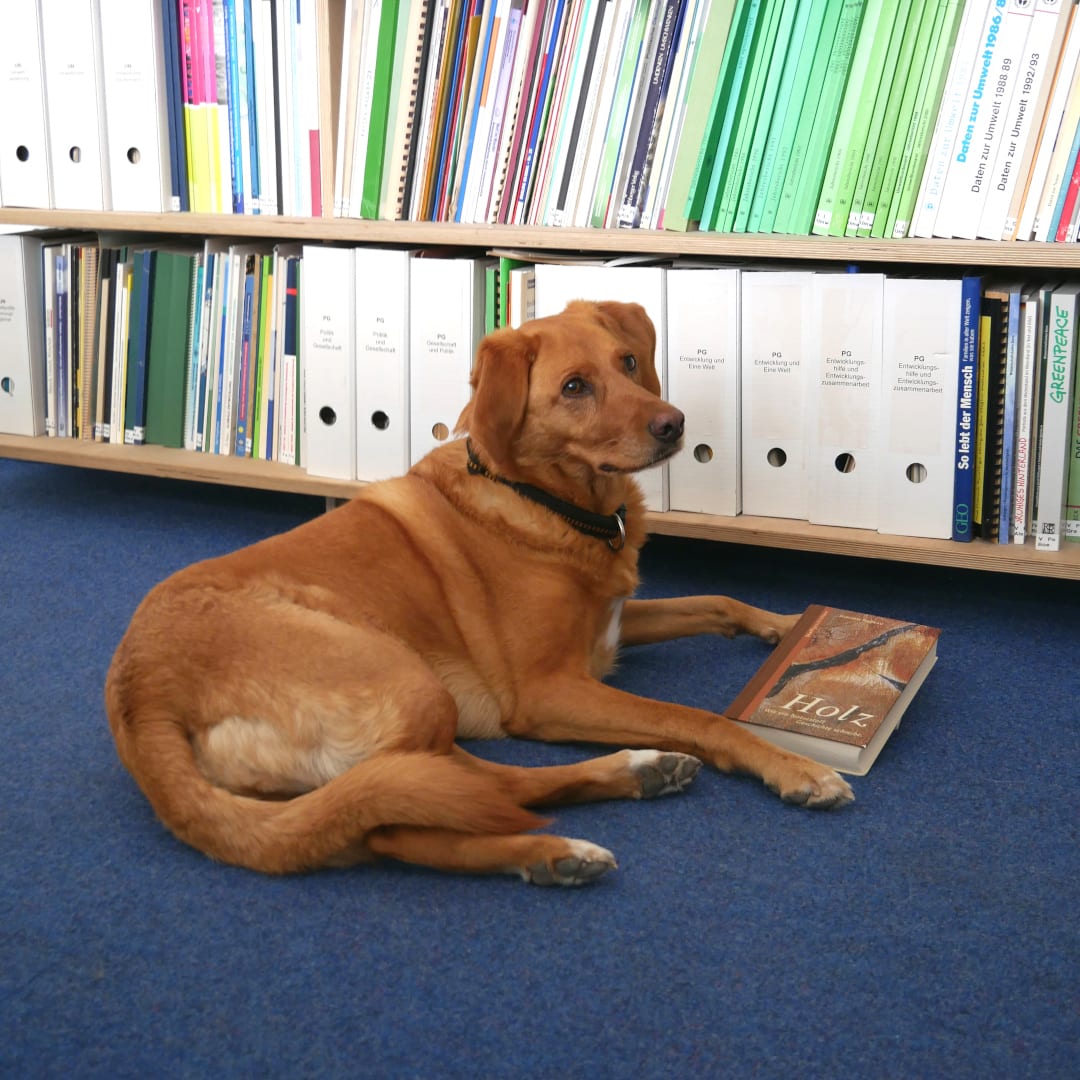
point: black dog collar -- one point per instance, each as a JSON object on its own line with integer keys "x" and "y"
{"x": 609, "y": 527}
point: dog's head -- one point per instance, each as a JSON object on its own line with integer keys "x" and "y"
{"x": 578, "y": 390}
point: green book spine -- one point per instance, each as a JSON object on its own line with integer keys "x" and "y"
{"x": 922, "y": 130}
{"x": 635, "y": 36}
{"x": 740, "y": 195}
{"x": 877, "y": 118}
{"x": 786, "y": 177}
{"x": 1072, "y": 493}
{"x": 916, "y": 72}
{"x": 904, "y": 61}
{"x": 729, "y": 176}
{"x": 832, "y": 92}
{"x": 491, "y": 298}
{"x": 723, "y": 216}
{"x": 266, "y": 285}
{"x": 706, "y": 157}
{"x": 704, "y": 76}
{"x": 849, "y": 139}
{"x": 170, "y": 308}
{"x": 380, "y": 110}
{"x": 741, "y": 78}
{"x": 799, "y": 57}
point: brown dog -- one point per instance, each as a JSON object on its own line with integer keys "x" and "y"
{"x": 295, "y": 704}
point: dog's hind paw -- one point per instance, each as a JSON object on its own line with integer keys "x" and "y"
{"x": 662, "y": 772}
{"x": 583, "y": 863}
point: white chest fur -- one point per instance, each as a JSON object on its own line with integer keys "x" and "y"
{"x": 614, "y": 626}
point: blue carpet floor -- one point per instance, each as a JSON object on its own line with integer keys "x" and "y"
{"x": 931, "y": 929}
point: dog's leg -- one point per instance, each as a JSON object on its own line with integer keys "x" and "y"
{"x": 542, "y": 860}
{"x": 647, "y": 621}
{"x": 628, "y": 774}
{"x": 580, "y": 709}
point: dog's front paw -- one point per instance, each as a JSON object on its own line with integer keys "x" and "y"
{"x": 662, "y": 772}
{"x": 803, "y": 782}
{"x": 580, "y": 864}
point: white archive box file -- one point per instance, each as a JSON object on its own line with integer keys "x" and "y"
{"x": 24, "y": 145}
{"x": 557, "y": 284}
{"x": 446, "y": 323}
{"x": 776, "y": 307}
{"x": 703, "y": 381}
{"x": 382, "y": 362}
{"x": 327, "y": 329}
{"x": 921, "y": 359}
{"x": 71, "y": 46}
{"x": 22, "y": 337}
{"x": 844, "y": 399}
{"x": 133, "y": 70}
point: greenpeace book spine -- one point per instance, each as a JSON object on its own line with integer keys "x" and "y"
{"x": 837, "y": 685}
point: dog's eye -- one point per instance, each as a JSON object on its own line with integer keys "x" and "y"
{"x": 630, "y": 362}
{"x": 575, "y": 387}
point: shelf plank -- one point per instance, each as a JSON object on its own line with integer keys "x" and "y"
{"x": 742, "y": 247}
{"x": 758, "y": 531}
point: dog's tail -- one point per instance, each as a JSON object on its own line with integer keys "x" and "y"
{"x": 324, "y": 827}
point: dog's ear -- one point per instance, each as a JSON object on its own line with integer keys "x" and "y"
{"x": 631, "y": 323}
{"x": 500, "y": 382}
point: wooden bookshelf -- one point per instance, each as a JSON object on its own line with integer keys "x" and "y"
{"x": 742, "y": 248}
{"x": 759, "y": 531}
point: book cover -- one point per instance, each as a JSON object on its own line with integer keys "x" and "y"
{"x": 838, "y": 685}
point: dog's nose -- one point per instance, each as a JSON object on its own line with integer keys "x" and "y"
{"x": 667, "y": 427}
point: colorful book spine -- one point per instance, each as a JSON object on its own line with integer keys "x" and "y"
{"x": 964, "y": 480}
{"x": 659, "y": 77}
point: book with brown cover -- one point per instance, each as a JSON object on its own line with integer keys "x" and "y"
{"x": 836, "y": 687}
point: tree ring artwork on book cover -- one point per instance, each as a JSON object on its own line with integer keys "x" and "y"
{"x": 840, "y": 679}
